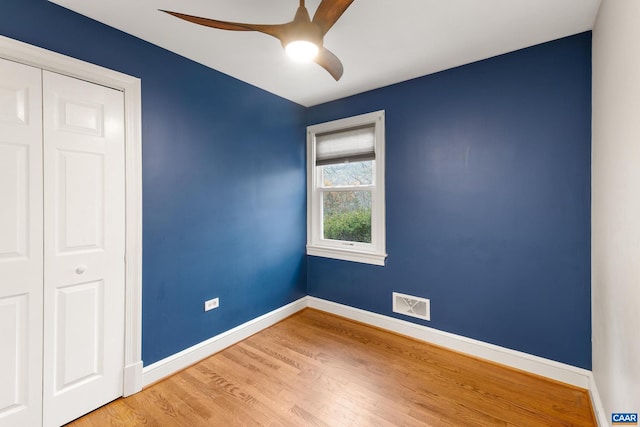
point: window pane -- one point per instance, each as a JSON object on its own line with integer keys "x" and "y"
{"x": 347, "y": 216}
{"x": 356, "y": 173}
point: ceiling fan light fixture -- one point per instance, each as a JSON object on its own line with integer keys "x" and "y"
{"x": 302, "y": 50}
{"x": 302, "y": 38}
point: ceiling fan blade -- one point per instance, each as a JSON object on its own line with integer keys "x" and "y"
{"x": 329, "y": 12}
{"x": 276, "y": 31}
{"x": 330, "y": 62}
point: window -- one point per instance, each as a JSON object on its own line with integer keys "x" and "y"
{"x": 345, "y": 197}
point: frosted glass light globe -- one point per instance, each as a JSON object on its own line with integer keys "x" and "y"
{"x": 302, "y": 50}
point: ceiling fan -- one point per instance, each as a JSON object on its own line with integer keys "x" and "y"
{"x": 302, "y": 37}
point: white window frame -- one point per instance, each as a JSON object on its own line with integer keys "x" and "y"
{"x": 369, "y": 253}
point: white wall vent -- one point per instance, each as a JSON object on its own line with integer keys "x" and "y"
{"x": 412, "y": 306}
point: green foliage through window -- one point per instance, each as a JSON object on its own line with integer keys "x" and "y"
{"x": 347, "y": 215}
{"x": 351, "y": 226}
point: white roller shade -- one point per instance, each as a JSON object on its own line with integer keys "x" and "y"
{"x": 350, "y": 145}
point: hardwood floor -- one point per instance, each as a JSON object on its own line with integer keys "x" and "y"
{"x": 316, "y": 369}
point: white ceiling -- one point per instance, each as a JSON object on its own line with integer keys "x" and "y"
{"x": 380, "y": 42}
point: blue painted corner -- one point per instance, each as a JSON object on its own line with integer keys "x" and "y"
{"x": 488, "y": 192}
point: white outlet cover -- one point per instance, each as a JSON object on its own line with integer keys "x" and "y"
{"x": 211, "y": 304}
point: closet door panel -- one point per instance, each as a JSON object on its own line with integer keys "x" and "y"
{"x": 83, "y": 246}
{"x": 21, "y": 259}
{"x": 80, "y": 206}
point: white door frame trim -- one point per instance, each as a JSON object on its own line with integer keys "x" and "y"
{"x": 131, "y": 87}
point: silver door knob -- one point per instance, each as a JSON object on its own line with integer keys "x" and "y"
{"x": 81, "y": 269}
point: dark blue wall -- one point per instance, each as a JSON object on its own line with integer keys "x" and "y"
{"x": 223, "y": 181}
{"x": 488, "y": 201}
{"x": 488, "y": 192}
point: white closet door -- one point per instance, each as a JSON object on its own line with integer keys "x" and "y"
{"x": 20, "y": 245}
{"x": 83, "y": 247}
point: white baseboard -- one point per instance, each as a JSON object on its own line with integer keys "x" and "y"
{"x": 132, "y": 379}
{"x": 598, "y": 408}
{"x": 516, "y": 359}
{"x": 191, "y": 355}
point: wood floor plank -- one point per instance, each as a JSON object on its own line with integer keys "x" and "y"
{"x": 494, "y": 378}
{"x": 316, "y": 369}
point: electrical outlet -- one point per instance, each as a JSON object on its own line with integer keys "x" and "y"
{"x": 211, "y": 304}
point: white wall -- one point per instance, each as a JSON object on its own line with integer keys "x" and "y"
{"x": 616, "y": 205}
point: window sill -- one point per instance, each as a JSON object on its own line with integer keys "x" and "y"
{"x": 347, "y": 255}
